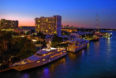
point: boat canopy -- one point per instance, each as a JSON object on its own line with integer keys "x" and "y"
{"x": 33, "y": 58}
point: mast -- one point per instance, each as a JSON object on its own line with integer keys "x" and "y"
{"x": 97, "y": 22}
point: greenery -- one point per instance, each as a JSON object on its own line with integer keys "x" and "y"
{"x": 14, "y": 49}
{"x": 43, "y": 43}
{"x": 56, "y": 41}
{"x": 41, "y": 35}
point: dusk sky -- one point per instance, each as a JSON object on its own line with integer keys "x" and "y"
{"x": 80, "y": 13}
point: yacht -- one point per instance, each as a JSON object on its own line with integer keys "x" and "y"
{"x": 77, "y": 46}
{"x": 40, "y": 58}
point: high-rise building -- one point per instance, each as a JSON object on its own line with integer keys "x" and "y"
{"x": 49, "y": 25}
{"x": 6, "y": 24}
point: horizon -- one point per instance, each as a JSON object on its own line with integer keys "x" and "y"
{"x": 79, "y": 13}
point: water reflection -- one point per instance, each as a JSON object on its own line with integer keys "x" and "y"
{"x": 46, "y": 73}
{"x": 97, "y": 61}
{"x": 72, "y": 56}
{"x": 97, "y": 47}
{"x": 53, "y": 66}
{"x": 76, "y": 56}
{"x": 25, "y": 75}
{"x": 108, "y": 42}
{"x": 88, "y": 45}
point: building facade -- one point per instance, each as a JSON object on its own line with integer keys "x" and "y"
{"x": 49, "y": 25}
{"x": 6, "y": 24}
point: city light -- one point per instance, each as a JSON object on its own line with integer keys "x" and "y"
{"x": 57, "y": 38}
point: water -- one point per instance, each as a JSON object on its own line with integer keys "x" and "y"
{"x": 97, "y": 61}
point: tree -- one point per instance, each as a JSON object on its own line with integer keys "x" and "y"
{"x": 56, "y": 40}
{"x": 10, "y": 47}
{"x": 41, "y": 35}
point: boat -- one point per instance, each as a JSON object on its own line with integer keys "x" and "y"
{"x": 107, "y": 35}
{"x": 92, "y": 38}
{"x": 99, "y": 34}
{"x": 77, "y": 46}
{"x": 41, "y": 58}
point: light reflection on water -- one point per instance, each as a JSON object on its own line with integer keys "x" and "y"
{"x": 26, "y": 75}
{"x": 108, "y": 53}
{"x": 97, "y": 61}
{"x": 97, "y": 47}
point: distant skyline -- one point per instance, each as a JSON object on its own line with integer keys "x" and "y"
{"x": 80, "y": 13}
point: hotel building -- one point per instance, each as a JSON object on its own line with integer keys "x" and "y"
{"x": 49, "y": 25}
{"x": 6, "y": 24}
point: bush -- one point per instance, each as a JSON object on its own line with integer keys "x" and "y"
{"x": 19, "y": 48}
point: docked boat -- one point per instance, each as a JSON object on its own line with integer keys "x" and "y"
{"x": 107, "y": 35}
{"x": 99, "y": 34}
{"x": 41, "y": 58}
{"x": 92, "y": 38}
{"x": 77, "y": 46}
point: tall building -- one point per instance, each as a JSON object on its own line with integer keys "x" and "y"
{"x": 49, "y": 25}
{"x": 6, "y": 24}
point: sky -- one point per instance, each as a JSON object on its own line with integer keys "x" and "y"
{"x": 79, "y": 13}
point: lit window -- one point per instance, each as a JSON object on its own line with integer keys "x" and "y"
{"x": 38, "y": 26}
{"x": 47, "y": 20}
{"x": 43, "y": 59}
{"x": 38, "y": 61}
{"x": 46, "y": 30}
{"x": 55, "y": 32}
{"x": 44, "y": 55}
